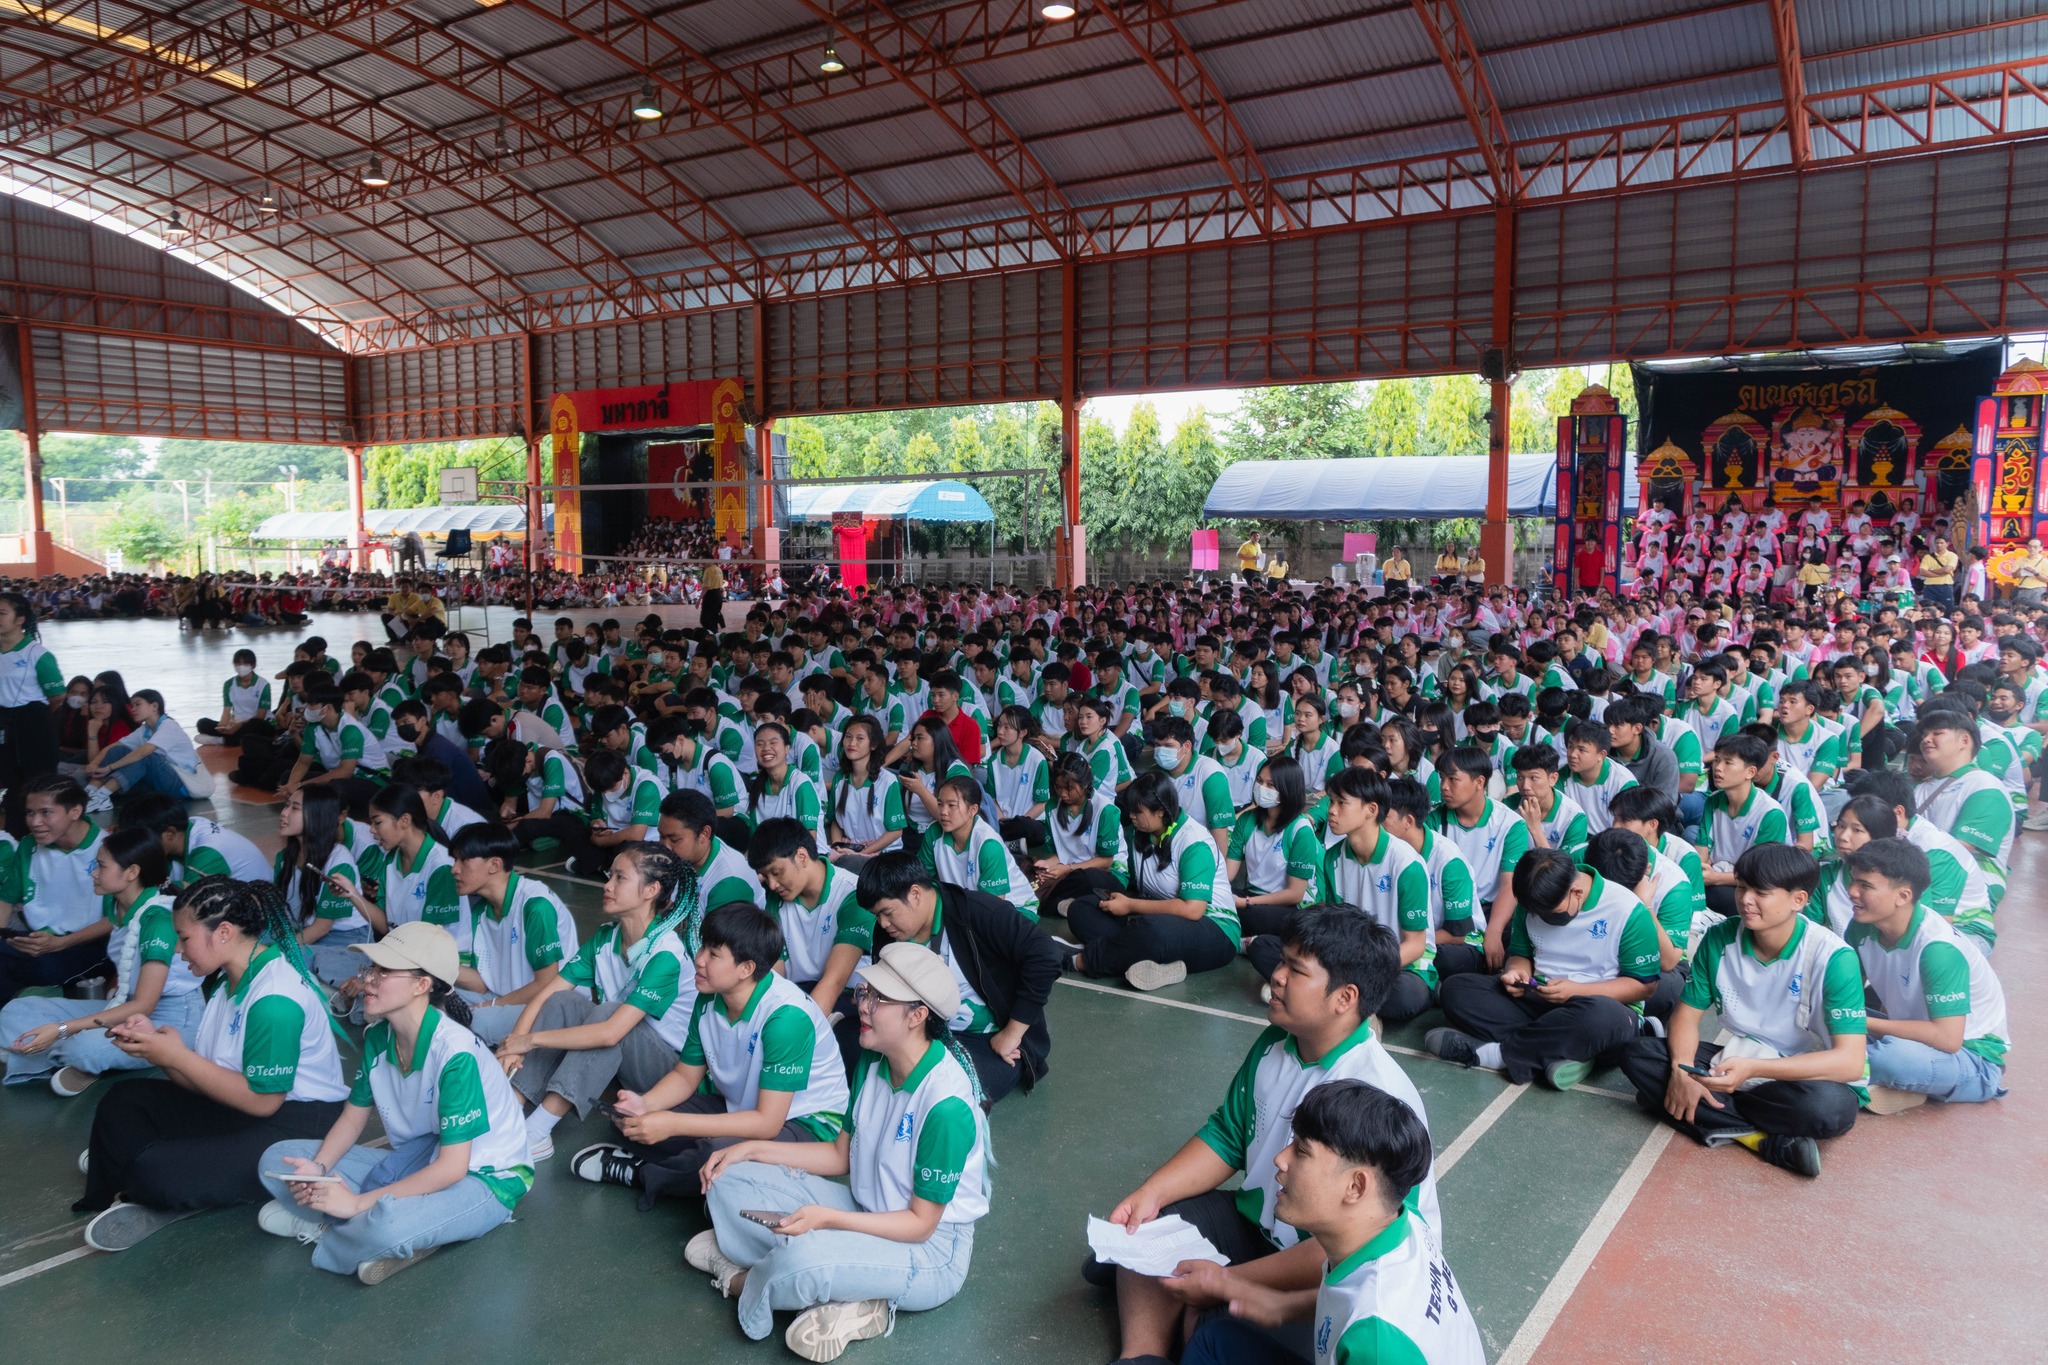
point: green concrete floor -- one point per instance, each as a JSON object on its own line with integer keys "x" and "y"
{"x": 580, "y": 1275}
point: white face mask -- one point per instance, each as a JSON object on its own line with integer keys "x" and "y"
{"x": 654, "y": 658}
{"x": 76, "y": 703}
{"x": 1347, "y": 709}
{"x": 1264, "y": 797}
{"x": 244, "y": 671}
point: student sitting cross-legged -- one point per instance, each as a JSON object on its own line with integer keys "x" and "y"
{"x": 1336, "y": 968}
{"x": 67, "y": 1041}
{"x": 1937, "y": 1029}
{"x": 914, "y": 1153}
{"x": 1788, "y": 1065}
{"x": 1386, "y": 1293}
{"x": 1583, "y": 955}
{"x": 620, "y": 1009}
{"x": 262, "y": 1067}
{"x": 519, "y": 935}
{"x": 763, "y": 1045}
{"x": 1178, "y": 916}
{"x": 457, "y": 1163}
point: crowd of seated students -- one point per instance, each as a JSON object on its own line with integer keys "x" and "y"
{"x": 1751, "y": 858}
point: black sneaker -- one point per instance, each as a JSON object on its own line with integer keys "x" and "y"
{"x": 1070, "y": 951}
{"x": 1101, "y": 1274}
{"x": 1799, "y": 1155}
{"x": 607, "y": 1163}
{"x": 1452, "y": 1046}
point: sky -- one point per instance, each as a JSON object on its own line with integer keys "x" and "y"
{"x": 1173, "y": 408}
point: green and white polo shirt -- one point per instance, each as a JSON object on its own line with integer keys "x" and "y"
{"x": 865, "y": 811}
{"x": 1803, "y": 815}
{"x": 1391, "y": 886}
{"x": 369, "y": 855}
{"x": 924, "y": 1139}
{"x": 1933, "y": 972}
{"x": 53, "y": 886}
{"x": 29, "y": 673}
{"x": 424, "y": 889}
{"x": 211, "y": 851}
{"x": 1270, "y": 858}
{"x": 348, "y": 738}
{"x": 337, "y": 909}
{"x": 1097, "y": 832}
{"x": 636, "y": 801}
{"x": 1565, "y": 826}
{"x": 1684, "y": 742}
{"x": 1204, "y": 791}
{"x": 1726, "y": 834}
{"x": 1959, "y": 893}
{"x": 455, "y": 1092}
{"x": 655, "y": 976}
{"x": 1108, "y": 761}
{"x": 1451, "y": 897}
{"x": 144, "y": 934}
{"x": 1674, "y": 897}
{"x": 984, "y": 864}
{"x": 511, "y": 943}
{"x": 796, "y": 798}
{"x": 272, "y": 1027}
{"x": 711, "y": 771}
{"x": 1592, "y": 797}
{"x": 1613, "y": 935}
{"x": 1191, "y": 871}
{"x": 780, "y": 1041}
{"x": 245, "y": 701}
{"x": 1253, "y": 1123}
{"x": 1394, "y": 1301}
{"x": 811, "y": 932}
{"x": 1492, "y": 848}
{"x": 725, "y": 877}
{"x": 1794, "y": 1003}
{"x": 1019, "y": 786}
{"x": 1820, "y": 749}
{"x": 1973, "y": 806}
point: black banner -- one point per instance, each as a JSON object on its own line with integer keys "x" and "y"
{"x": 1821, "y": 434}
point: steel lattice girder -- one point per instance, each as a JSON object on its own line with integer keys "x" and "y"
{"x": 1461, "y": 62}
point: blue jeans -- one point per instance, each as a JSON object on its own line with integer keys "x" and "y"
{"x": 89, "y": 1051}
{"x": 492, "y": 1024}
{"x": 330, "y": 958}
{"x": 795, "y": 1273}
{"x": 1692, "y": 806}
{"x": 407, "y": 1226}
{"x": 1959, "y": 1077}
{"x": 155, "y": 773}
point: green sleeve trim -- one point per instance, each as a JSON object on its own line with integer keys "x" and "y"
{"x": 1842, "y": 993}
{"x": 943, "y": 1145}
{"x": 1411, "y": 894}
{"x": 443, "y": 905}
{"x": 1228, "y": 1133}
{"x": 543, "y": 934}
{"x": 661, "y": 980}
{"x": 1375, "y": 1341}
{"x": 1945, "y": 977}
{"x": 270, "y": 1044}
{"x": 1640, "y": 954}
{"x": 464, "y": 1115}
{"x": 788, "y": 1041}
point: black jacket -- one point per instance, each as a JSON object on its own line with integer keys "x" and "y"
{"x": 1008, "y": 960}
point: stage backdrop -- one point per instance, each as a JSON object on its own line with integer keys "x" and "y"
{"x": 1820, "y": 435}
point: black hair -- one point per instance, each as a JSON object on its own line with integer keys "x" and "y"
{"x": 1283, "y": 774}
{"x": 878, "y": 746}
{"x": 152, "y": 697}
{"x": 1409, "y": 797}
{"x": 1366, "y": 1126}
{"x": 303, "y": 863}
{"x": 891, "y": 876}
{"x": 1891, "y": 787}
{"x": 746, "y": 931}
{"x": 1896, "y": 860}
{"x": 944, "y": 753}
{"x": 779, "y": 837}
{"x": 504, "y": 766}
{"x": 1619, "y": 855}
{"x": 1589, "y": 732}
{"x": 59, "y": 787}
{"x": 140, "y": 849}
{"x": 1361, "y": 785}
{"x": 257, "y": 910}
{"x": 23, "y": 608}
{"x": 677, "y": 904}
{"x": 1950, "y": 718}
{"x": 1639, "y": 803}
{"x": 693, "y": 809}
{"x": 602, "y": 771}
{"x": 1747, "y": 749}
{"x": 1543, "y": 878}
{"x": 427, "y": 774}
{"x": 1872, "y": 812}
{"x": 1778, "y": 867}
{"x": 1156, "y": 792}
{"x": 1537, "y": 757}
{"x": 475, "y": 717}
{"x": 1354, "y": 949}
{"x": 486, "y": 839}
{"x": 156, "y": 812}
{"x": 1469, "y": 759}
{"x": 401, "y": 802}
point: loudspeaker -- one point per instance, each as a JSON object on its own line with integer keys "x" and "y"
{"x": 1493, "y": 365}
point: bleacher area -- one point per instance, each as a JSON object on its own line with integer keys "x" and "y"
{"x": 1580, "y": 1229}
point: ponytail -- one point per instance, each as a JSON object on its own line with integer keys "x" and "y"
{"x": 446, "y": 999}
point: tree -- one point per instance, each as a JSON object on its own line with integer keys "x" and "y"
{"x": 1454, "y": 410}
{"x": 101, "y": 459}
{"x": 248, "y": 462}
{"x": 1296, "y": 422}
{"x": 233, "y": 520}
{"x": 13, "y": 466}
{"x": 410, "y": 476}
{"x": 1391, "y": 423}
{"x": 140, "y": 533}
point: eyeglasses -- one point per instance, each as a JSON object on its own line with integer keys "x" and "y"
{"x": 373, "y": 977}
{"x": 867, "y": 1000}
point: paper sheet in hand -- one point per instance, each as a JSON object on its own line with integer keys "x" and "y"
{"x": 1154, "y": 1249}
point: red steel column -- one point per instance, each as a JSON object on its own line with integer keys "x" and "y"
{"x": 42, "y": 555}
{"x": 1496, "y": 545}
{"x": 764, "y": 443}
{"x": 1069, "y": 573}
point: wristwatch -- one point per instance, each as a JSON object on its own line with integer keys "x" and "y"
{"x": 63, "y": 1031}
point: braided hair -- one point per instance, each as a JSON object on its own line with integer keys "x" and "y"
{"x": 259, "y": 911}
{"x": 677, "y": 904}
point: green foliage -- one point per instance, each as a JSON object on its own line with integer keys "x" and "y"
{"x": 12, "y": 467}
{"x": 141, "y": 533}
{"x": 247, "y": 462}
{"x": 410, "y": 476}
{"x": 1296, "y": 422}
{"x": 93, "y": 466}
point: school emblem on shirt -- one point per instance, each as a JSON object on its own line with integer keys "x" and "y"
{"x": 1385, "y": 883}
{"x": 1598, "y": 928}
{"x": 1323, "y": 1338}
{"x": 1798, "y": 980}
{"x": 903, "y": 1126}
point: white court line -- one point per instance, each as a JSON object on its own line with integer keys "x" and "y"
{"x": 562, "y": 876}
{"x": 31, "y": 1271}
{"x": 1475, "y": 1130}
{"x": 1563, "y": 1284}
{"x": 1260, "y": 1020}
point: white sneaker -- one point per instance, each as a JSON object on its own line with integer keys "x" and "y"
{"x": 1145, "y": 976}
{"x": 539, "y": 1149}
{"x": 383, "y": 1268}
{"x": 98, "y": 799}
{"x": 704, "y": 1253}
{"x": 84, "y": 1159}
{"x": 278, "y": 1220}
{"x": 123, "y": 1225}
{"x": 824, "y": 1332}
{"x": 70, "y": 1082}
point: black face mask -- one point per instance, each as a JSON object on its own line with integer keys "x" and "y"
{"x": 411, "y": 735}
{"x": 1557, "y": 919}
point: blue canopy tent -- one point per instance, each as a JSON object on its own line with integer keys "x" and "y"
{"x": 480, "y": 520}
{"x": 1411, "y": 488}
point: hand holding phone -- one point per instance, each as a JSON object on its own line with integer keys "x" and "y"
{"x": 764, "y": 1217}
{"x": 1689, "y": 1069}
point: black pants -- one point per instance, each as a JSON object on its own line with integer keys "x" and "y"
{"x": 1093, "y": 881}
{"x": 1258, "y": 921}
{"x": 1458, "y": 959}
{"x": 674, "y": 1166}
{"x": 560, "y": 825}
{"x": 712, "y": 616}
{"x": 1721, "y": 900}
{"x": 733, "y": 832}
{"x": 1532, "y": 1034}
{"x": 1815, "y": 1109}
{"x": 253, "y": 731}
{"x": 1032, "y": 832}
{"x": 19, "y": 971}
{"x": 1409, "y": 996}
{"x": 1670, "y": 986}
{"x": 28, "y": 748}
{"x": 156, "y": 1143}
{"x": 1112, "y": 944}
{"x": 1216, "y": 1217}
{"x": 265, "y": 764}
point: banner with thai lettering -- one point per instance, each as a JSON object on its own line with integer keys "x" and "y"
{"x": 1819, "y": 434}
